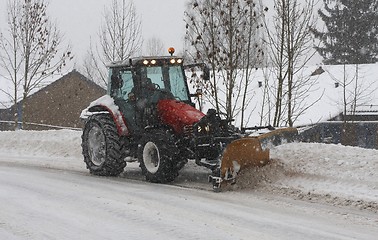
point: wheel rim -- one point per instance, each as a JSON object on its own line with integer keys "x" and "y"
{"x": 151, "y": 157}
{"x": 96, "y": 145}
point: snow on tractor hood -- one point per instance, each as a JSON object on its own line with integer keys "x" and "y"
{"x": 178, "y": 114}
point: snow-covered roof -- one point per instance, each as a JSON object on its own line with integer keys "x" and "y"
{"x": 321, "y": 96}
{"x": 327, "y": 95}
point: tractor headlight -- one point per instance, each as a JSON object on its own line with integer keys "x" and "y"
{"x": 175, "y": 60}
{"x": 202, "y": 129}
{"x": 208, "y": 125}
{"x": 148, "y": 62}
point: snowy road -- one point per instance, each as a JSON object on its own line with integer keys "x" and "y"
{"x": 43, "y": 203}
{"x": 313, "y": 191}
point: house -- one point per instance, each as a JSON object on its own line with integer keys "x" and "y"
{"x": 331, "y": 103}
{"x": 353, "y": 124}
{"x": 58, "y": 105}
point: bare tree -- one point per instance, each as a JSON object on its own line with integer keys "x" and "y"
{"x": 202, "y": 35}
{"x": 32, "y": 48}
{"x": 253, "y": 56}
{"x": 290, "y": 42}
{"x": 155, "y": 47}
{"x": 223, "y": 35}
{"x": 355, "y": 92}
{"x": 120, "y": 38}
{"x": 10, "y": 59}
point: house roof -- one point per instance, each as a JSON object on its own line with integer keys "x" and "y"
{"x": 319, "y": 98}
{"x": 73, "y": 73}
{"x": 6, "y": 87}
{"x": 339, "y": 86}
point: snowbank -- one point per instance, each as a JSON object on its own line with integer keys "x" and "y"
{"x": 331, "y": 170}
{"x": 339, "y": 175}
{"x": 52, "y": 143}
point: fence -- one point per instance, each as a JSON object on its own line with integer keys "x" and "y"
{"x": 9, "y": 125}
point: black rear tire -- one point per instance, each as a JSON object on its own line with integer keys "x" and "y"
{"x": 101, "y": 146}
{"x": 159, "y": 157}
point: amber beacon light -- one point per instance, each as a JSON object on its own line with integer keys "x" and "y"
{"x": 171, "y": 50}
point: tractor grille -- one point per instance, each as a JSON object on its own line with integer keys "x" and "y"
{"x": 188, "y": 130}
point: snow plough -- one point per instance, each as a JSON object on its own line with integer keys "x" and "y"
{"x": 148, "y": 116}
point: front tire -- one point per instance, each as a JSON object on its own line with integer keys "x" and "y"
{"x": 101, "y": 146}
{"x": 159, "y": 157}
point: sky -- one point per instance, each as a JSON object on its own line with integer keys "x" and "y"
{"x": 80, "y": 20}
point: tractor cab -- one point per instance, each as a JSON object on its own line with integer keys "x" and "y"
{"x": 140, "y": 76}
{"x": 137, "y": 85}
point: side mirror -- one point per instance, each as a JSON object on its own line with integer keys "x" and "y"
{"x": 198, "y": 93}
{"x": 116, "y": 82}
{"x": 115, "y": 85}
{"x": 206, "y": 73}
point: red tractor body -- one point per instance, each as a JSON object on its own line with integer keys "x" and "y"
{"x": 178, "y": 115}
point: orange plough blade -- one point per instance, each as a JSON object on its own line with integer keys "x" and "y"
{"x": 242, "y": 154}
{"x": 248, "y": 152}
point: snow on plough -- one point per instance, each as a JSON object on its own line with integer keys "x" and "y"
{"x": 148, "y": 116}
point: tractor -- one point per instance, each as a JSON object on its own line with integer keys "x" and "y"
{"x": 148, "y": 116}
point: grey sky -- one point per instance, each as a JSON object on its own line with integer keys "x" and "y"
{"x": 79, "y": 20}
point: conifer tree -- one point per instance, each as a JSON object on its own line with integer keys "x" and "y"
{"x": 351, "y": 35}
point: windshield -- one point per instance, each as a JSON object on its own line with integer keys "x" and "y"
{"x": 170, "y": 78}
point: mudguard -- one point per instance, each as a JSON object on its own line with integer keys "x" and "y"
{"x": 106, "y": 104}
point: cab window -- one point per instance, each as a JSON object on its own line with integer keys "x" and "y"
{"x": 170, "y": 78}
{"x": 121, "y": 83}
{"x": 177, "y": 82}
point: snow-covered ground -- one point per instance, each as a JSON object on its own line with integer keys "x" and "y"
{"x": 309, "y": 191}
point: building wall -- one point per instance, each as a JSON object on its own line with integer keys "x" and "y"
{"x": 6, "y": 119}
{"x": 361, "y": 134}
